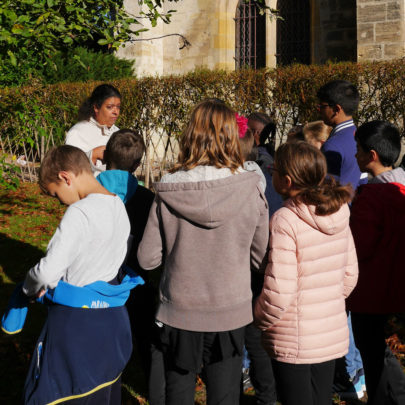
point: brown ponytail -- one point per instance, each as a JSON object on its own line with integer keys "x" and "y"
{"x": 306, "y": 166}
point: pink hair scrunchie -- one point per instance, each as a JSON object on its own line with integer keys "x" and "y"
{"x": 242, "y": 125}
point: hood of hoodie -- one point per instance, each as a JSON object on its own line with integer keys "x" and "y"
{"x": 328, "y": 224}
{"x": 392, "y": 176}
{"x": 119, "y": 182}
{"x": 390, "y": 195}
{"x": 209, "y": 203}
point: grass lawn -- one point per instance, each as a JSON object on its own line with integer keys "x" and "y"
{"x": 28, "y": 219}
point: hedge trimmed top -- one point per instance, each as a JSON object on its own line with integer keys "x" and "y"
{"x": 163, "y": 104}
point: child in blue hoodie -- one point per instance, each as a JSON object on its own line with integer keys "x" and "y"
{"x": 123, "y": 154}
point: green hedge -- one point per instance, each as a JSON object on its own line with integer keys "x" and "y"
{"x": 39, "y": 115}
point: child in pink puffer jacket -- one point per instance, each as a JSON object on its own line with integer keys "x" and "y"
{"x": 312, "y": 269}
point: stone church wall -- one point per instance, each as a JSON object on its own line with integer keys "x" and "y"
{"x": 341, "y": 30}
{"x": 380, "y": 29}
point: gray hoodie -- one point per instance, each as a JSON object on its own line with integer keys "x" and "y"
{"x": 392, "y": 176}
{"x": 208, "y": 234}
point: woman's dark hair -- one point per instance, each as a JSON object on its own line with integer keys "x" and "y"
{"x": 97, "y": 98}
{"x": 306, "y": 166}
{"x": 381, "y": 136}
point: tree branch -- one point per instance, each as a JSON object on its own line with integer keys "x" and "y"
{"x": 186, "y": 43}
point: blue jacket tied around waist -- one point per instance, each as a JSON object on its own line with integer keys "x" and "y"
{"x": 85, "y": 342}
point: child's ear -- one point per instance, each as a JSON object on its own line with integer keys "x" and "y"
{"x": 337, "y": 108}
{"x": 288, "y": 181}
{"x": 65, "y": 177}
{"x": 374, "y": 156}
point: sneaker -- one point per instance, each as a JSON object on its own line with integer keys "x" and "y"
{"x": 360, "y": 373}
{"x": 358, "y": 386}
{"x": 348, "y": 388}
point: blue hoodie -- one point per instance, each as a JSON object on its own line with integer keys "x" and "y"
{"x": 119, "y": 182}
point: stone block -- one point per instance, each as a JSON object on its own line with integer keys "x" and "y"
{"x": 388, "y": 31}
{"x": 371, "y": 13}
{"x": 393, "y": 51}
{"x": 365, "y": 33}
{"x": 369, "y": 52}
{"x": 393, "y": 11}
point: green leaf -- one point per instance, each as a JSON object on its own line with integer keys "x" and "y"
{"x": 11, "y": 15}
{"x": 42, "y": 18}
{"x": 77, "y": 57}
{"x": 13, "y": 59}
{"x": 103, "y": 41}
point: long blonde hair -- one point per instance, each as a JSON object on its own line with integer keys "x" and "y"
{"x": 210, "y": 138}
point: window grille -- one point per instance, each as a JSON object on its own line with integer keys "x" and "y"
{"x": 293, "y": 32}
{"x": 250, "y": 36}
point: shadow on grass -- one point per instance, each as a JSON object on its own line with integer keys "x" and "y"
{"x": 15, "y": 350}
{"x": 16, "y": 258}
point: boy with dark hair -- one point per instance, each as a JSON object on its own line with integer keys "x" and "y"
{"x": 124, "y": 151}
{"x": 377, "y": 223}
{"x": 123, "y": 154}
{"x": 338, "y": 101}
{"x": 75, "y": 359}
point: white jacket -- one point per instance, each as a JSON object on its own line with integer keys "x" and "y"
{"x": 87, "y": 135}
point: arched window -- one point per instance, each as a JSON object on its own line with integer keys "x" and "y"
{"x": 293, "y": 32}
{"x": 250, "y": 36}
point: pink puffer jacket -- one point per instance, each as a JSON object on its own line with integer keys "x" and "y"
{"x": 312, "y": 269}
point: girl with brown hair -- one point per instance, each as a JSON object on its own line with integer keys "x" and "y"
{"x": 208, "y": 225}
{"x": 312, "y": 268}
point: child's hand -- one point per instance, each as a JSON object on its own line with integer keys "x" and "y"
{"x": 40, "y": 293}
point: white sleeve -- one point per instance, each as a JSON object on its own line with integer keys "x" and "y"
{"x": 80, "y": 136}
{"x": 63, "y": 249}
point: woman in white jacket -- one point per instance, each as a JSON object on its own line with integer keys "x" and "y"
{"x": 97, "y": 116}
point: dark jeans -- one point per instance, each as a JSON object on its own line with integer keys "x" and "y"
{"x": 385, "y": 380}
{"x": 261, "y": 370}
{"x": 309, "y": 384}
